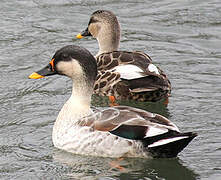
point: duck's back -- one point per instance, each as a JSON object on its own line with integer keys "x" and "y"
{"x": 130, "y": 76}
{"x": 107, "y": 61}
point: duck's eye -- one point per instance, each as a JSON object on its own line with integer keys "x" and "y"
{"x": 64, "y": 56}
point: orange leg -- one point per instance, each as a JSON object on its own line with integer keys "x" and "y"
{"x": 112, "y": 101}
{"x": 166, "y": 101}
{"x": 116, "y": 164}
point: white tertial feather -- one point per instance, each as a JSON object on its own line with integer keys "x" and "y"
{"x": 153, "y": 68}
{"x": 154, "y": 131}
{"x": 129, "y": 71}
{"x": 166, "y": 141}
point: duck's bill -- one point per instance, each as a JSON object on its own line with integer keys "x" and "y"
{"x": 46, "y": 71}
{"x": 83, "y": 34}
{"x": 35, "y": 75}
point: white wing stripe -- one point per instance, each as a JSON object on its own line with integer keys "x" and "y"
{"x": 153, "y": 68}
{"x": 166, "y": 141}
{"x": 129, "y": 71}
{"x": 154, "y": 131}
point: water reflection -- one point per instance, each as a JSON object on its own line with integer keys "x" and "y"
{"x": 87, "y": 167}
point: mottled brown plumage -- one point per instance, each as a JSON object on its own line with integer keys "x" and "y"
{"x": 151, "y": 87}
{"x": 143, "y": 81}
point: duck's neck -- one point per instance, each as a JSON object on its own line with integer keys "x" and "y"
{"x": 109, "y": 40}
{"x": 81, "y": 95}
{"x": 78, "y": 105}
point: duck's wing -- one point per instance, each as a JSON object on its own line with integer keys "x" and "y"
{"x": 147, "y": 83}
{"x": 111, "y": 82}
{"x": 136, "y": 70}
{"x": 129, "y": 122}
{"x": 158, "y": 135}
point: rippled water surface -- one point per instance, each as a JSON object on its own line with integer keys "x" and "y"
{"x": 182, "y": 37}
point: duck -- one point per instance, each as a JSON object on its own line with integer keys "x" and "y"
{"x": 136, "y": 77}
{"x": 118, "y": 131}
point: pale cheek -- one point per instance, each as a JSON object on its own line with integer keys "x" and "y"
{"x": 69, "y": 68}
{"x": 94, "y": 29}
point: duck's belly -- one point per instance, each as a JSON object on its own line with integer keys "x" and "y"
{"x": 83, "y": 140}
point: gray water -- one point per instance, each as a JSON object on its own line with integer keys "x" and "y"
{"x": 182, "y": 37}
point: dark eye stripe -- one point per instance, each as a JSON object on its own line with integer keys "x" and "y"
{"x": 92, "y": 20}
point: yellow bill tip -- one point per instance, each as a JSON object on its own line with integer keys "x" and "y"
{"x": 35, "y": 76}
{"x": 79, "y": 36}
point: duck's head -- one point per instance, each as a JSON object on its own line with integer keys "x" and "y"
{"x": 103, "y": 26}
{"x": 72, "y": 61}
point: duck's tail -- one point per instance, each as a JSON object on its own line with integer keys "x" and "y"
{"x": 168, "y": 145}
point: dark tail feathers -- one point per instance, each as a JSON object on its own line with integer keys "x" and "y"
{"x": 169, "y": 144}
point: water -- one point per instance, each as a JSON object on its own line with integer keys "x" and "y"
{"x": 182, "y": 37}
